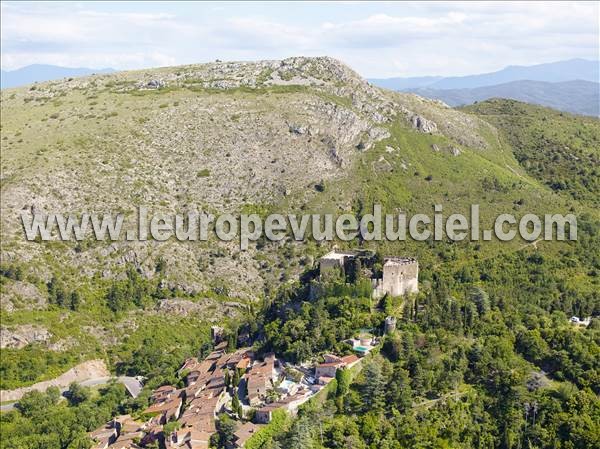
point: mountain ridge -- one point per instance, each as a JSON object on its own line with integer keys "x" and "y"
{"x": 577, "y": 96}
{"x": 36, "y": 73}
{"x": 566, "y": 70}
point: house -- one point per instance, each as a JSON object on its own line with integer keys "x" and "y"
{"x": 264, "y": 415}
{"x": 162, "y": 394}
{"x": 350, "y": 360}
{"x": 259, "y": 380}
{"x": 168, "y": 410}
{"x": 190, "y": 364}
{"x": 116, "y": 433}
{"x": 243, "y": 364}
{"x": 327, "y": 369}
{"x": 130, "y": 433}
{"x": 325, "y": 372}
{"x": 104, "y": 436}
{"x": 256, "y": 386}
{"x": 125, "y": 443}
{"x": 331, "y": 358}
{"x": 324, "y": 380}
{"x": 222, "y": 346}
{"x": 244, "y": 432}
{"x": 188, "y": 438}
{"x": 201, "y": 411}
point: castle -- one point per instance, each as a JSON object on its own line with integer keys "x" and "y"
{"x": 400, "y": 275}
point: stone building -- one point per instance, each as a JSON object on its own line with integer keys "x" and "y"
{"x": 390, "y": 325}
{"x": 400, "y": 275}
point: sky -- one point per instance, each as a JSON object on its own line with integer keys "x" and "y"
{"x": 377, "y": 39}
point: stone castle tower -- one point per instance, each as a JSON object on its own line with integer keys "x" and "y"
{"x": 400, "y": 276}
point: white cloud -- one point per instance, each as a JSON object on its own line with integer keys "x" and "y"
{"x": 387, "y": 39}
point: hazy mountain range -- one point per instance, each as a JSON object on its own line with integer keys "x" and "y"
{"x": 571, "y": 85}
{"x": 578, "y": 97}
{"x": 43, "y": 72}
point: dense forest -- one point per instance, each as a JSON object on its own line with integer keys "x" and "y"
{"x": 474, "y": 370}
{"x": 484, "y": 357}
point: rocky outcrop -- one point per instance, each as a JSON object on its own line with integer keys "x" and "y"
{"x": 181, "y": 307}
{"x": 21, "y": 295}
{"x": 23, "y": 335}
{"x": 424, "y": 125}
{"x": 454, "y": 151}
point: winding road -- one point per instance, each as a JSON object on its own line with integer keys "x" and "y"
{"x": 132, "y": 384}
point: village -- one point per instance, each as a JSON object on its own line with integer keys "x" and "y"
{"x": 238, "y": 384}
{"x": 247, "y": 387}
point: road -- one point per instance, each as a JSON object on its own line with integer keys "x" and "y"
{"x": 132, "y": 384}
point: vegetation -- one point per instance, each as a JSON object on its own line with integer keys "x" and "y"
{"x": 483, "y": 357}
{"x": 467, "y": 368}
{"x": 559, "y": 149}
{"x": 42, "y": 421}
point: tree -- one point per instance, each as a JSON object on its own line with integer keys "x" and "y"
{"x": 481, "y": 299}
{"x": 74, "y": 301}
{"x": 343, "y": 382}
{"x": 236, "y": 406}
{"x": 76, "y": 394}
{"x": 373, "y": 388}
{"x": 300, "y": 435}
{"x": 34, "y": 402}
{"x": 225, "y": 436}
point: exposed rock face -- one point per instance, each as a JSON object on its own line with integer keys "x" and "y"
{"x": 21, "y": 294}
{"x": 21, "y": 336}
{"x": 454, "y": 151}
{"x": 223, "y": 136}
{"x": 184, "y": 307}
{"x": 181, "y": 307}
{"x": 423, "y": 125}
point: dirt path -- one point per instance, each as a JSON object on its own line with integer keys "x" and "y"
{"x": 91, "y": 369}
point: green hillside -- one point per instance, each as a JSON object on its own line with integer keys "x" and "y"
{"x": 306, "y": 135}
{"x": 559, "y": 149}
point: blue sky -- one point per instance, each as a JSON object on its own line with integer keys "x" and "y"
{"x": 376, "y": 39}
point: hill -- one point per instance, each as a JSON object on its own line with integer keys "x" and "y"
{"x": 561, "y": 150}
{"x": 577, "y": 97}
{"x": 36, "y": 73}
{"x": 302, "y": 134}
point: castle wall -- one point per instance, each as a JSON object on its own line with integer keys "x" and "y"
{"x": 400, "y": 279}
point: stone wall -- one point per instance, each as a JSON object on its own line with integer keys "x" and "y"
{"x": 399, "y": 278}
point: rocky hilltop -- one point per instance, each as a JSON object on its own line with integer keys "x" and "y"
{"x": 223, "y": 136}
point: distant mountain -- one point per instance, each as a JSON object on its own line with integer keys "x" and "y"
{"x": 572, "y": 69}
{"x": 578, "y": 97}
{"x": 42, "y": 72}
{"x": 405, "y": 83}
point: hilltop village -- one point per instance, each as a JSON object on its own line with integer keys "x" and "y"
{"x": 247, "y": 386}
{"x": 238, "y": 384}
